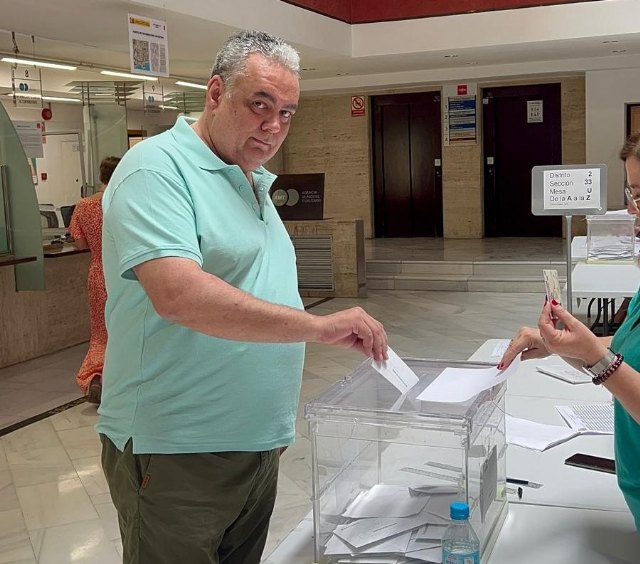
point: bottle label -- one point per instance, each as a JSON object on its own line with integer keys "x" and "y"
{"x": 451, "y": 558}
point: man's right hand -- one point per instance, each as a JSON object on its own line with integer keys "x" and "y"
{"x": 354, "y": 328}
{"x": 528, "y": 342}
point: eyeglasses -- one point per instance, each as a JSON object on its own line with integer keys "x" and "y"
{"x": 630, "y": 198}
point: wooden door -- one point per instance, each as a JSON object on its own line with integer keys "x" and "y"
{"x": 521, "y": 129}
{"x": 407, "y": 149}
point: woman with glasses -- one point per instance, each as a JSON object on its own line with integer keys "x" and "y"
{"x": 614, "y": 362}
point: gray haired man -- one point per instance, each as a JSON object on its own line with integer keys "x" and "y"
{"x": 206, "y": 327}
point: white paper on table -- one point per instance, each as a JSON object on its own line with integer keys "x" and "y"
{"x": 455, "y": 385}
{"x": 396, "y": 371}
{"x": 370, "y": 560}
{"x": 386, "y": 501}
{"x": 432, "y": 555}
{"x": 500, "y": 348}
{"x": 434, "y": 490}
{"x": 536, "y": 436}
{"x": 589, "y": 418}
{"x": 363, "y": 532}
{"x": 399, "y": 543}
{"x": 440, "y": 505}
{"x": 558, "y": 368}
{"x": 431, "y": 532}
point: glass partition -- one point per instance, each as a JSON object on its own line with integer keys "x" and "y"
{"x": 23, "y": 237}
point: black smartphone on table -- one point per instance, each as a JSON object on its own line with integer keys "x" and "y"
{"x": 592, "y": 463}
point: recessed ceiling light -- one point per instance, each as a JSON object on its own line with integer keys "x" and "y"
{"x": 472, "y": 63}
{"x": 191, "y": 84}
{"x": 16, "y": 61}
{"x": 610, "y": 41}
{"x": 342, "y": 74}
{"x": 310, "y": 69}
{"x": 619, "y": 51}
{"x": 451, "y": 56}
{"x": 128, "y": 75}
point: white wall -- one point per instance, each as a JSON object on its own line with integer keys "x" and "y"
{"x": 607, "y": 92}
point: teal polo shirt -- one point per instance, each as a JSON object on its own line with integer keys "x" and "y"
{"x": 168, "y": 388}
{"x": 627, "y": 431}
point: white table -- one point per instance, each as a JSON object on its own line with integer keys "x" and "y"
{"x": 577, "y": 516}
{"x": 605, "y": 282}
{"x": 531, "y": 383}
{"x": 530, "y": 535}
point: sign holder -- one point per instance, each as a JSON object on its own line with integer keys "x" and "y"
{"x": 568, "y": 190}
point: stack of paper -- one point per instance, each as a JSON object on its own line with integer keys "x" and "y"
{"x": 536, "y": 436}
{"x": 589, "y": 418}
{"x": 558, "y": 368}
{"x": 391, "y": 524}
{"x": 455, "y": 385}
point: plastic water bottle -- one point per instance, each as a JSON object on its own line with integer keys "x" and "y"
{"x": 460, "y": 544}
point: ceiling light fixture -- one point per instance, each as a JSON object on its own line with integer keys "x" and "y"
{"x": 191, "y": 84}
{"x": 128, "y": 75}
{"x": 60, "y": 99}
{"x": 619, "y": 51}
{"x": 611, "y": 41}
{"x": 451, "y": 56}
{"x": 169, "y": 107}
{"x": 46, "y": 98}
{"x": 32, "y": 62}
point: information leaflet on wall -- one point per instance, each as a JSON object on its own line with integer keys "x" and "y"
{"x": 459, "y": 114}
{"x": 30, "y": 135}
{"x": 572, "y": 189}
{"x": 148, "y": 46}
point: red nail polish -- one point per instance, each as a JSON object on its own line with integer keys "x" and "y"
{"x": 554, "y": 302}
{"x": 500, "y": 366}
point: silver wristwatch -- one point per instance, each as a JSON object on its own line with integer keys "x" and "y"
{"x": 600, "y": 366}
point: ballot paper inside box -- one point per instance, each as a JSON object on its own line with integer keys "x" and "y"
{"x": 386, "y": 466}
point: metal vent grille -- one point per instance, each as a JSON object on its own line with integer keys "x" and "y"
{"x": 315, "y": 261}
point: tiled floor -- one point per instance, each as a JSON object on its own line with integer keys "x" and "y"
{"x": 54, "y": 502}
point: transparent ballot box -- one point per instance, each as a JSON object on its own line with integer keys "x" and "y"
{"x": 611, "y": 238}
{"x": 386, "y": 466}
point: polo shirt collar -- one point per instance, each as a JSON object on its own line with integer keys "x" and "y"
{"x": 204, "y": 157}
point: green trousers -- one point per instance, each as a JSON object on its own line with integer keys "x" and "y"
{"x": 209, "y": 508}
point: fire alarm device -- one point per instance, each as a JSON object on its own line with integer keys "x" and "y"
{"x": 47, "y": 113}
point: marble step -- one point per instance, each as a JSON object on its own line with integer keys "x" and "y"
{"x": 461, "y": 276}
{"x": 528, "y": 269}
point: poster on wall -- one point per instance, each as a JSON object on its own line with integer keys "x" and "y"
{"x": 148, "y": 46}
{"x": 459, "y": 114}
{"x": 30, "y": 135}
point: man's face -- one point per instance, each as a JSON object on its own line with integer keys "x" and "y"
{"x": 632, "y": 167}
{"x": 251, "y": 120}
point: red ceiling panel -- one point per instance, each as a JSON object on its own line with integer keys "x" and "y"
{"x": 368, "y": 11}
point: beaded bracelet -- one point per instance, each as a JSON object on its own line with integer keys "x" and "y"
{"x": 609, "y": 370}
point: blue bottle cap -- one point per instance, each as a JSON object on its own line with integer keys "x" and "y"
{"x": 459, "y": 510}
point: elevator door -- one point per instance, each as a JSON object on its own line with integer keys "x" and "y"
{"x": 515, "y": 139}
{"x": 407, "y": 149}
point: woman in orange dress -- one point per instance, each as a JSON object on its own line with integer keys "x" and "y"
{"x": 86, "y": 229}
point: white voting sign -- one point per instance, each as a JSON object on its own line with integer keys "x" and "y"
{"x": 568, "y": 190}
{"x": 578, "y": 188}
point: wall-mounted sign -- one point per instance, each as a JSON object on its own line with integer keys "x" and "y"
{"x": 27, "y": 86}
{"x": 358, "y": 106}
{"x": 569, "y": 190}
{"x": 30, "y": 134}
{"x": 459, "y": 114}
{"x": 534, "y": 111}
{"x": 148, "y": 46}
{"x": 299, "y": 196}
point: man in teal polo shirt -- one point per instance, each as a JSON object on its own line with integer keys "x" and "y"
{"x": 206, "y": 326}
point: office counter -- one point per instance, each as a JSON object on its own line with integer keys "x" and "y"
{"x": 34, "y": 323}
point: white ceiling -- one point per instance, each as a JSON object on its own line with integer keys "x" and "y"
{"x": 94, "y": 33}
